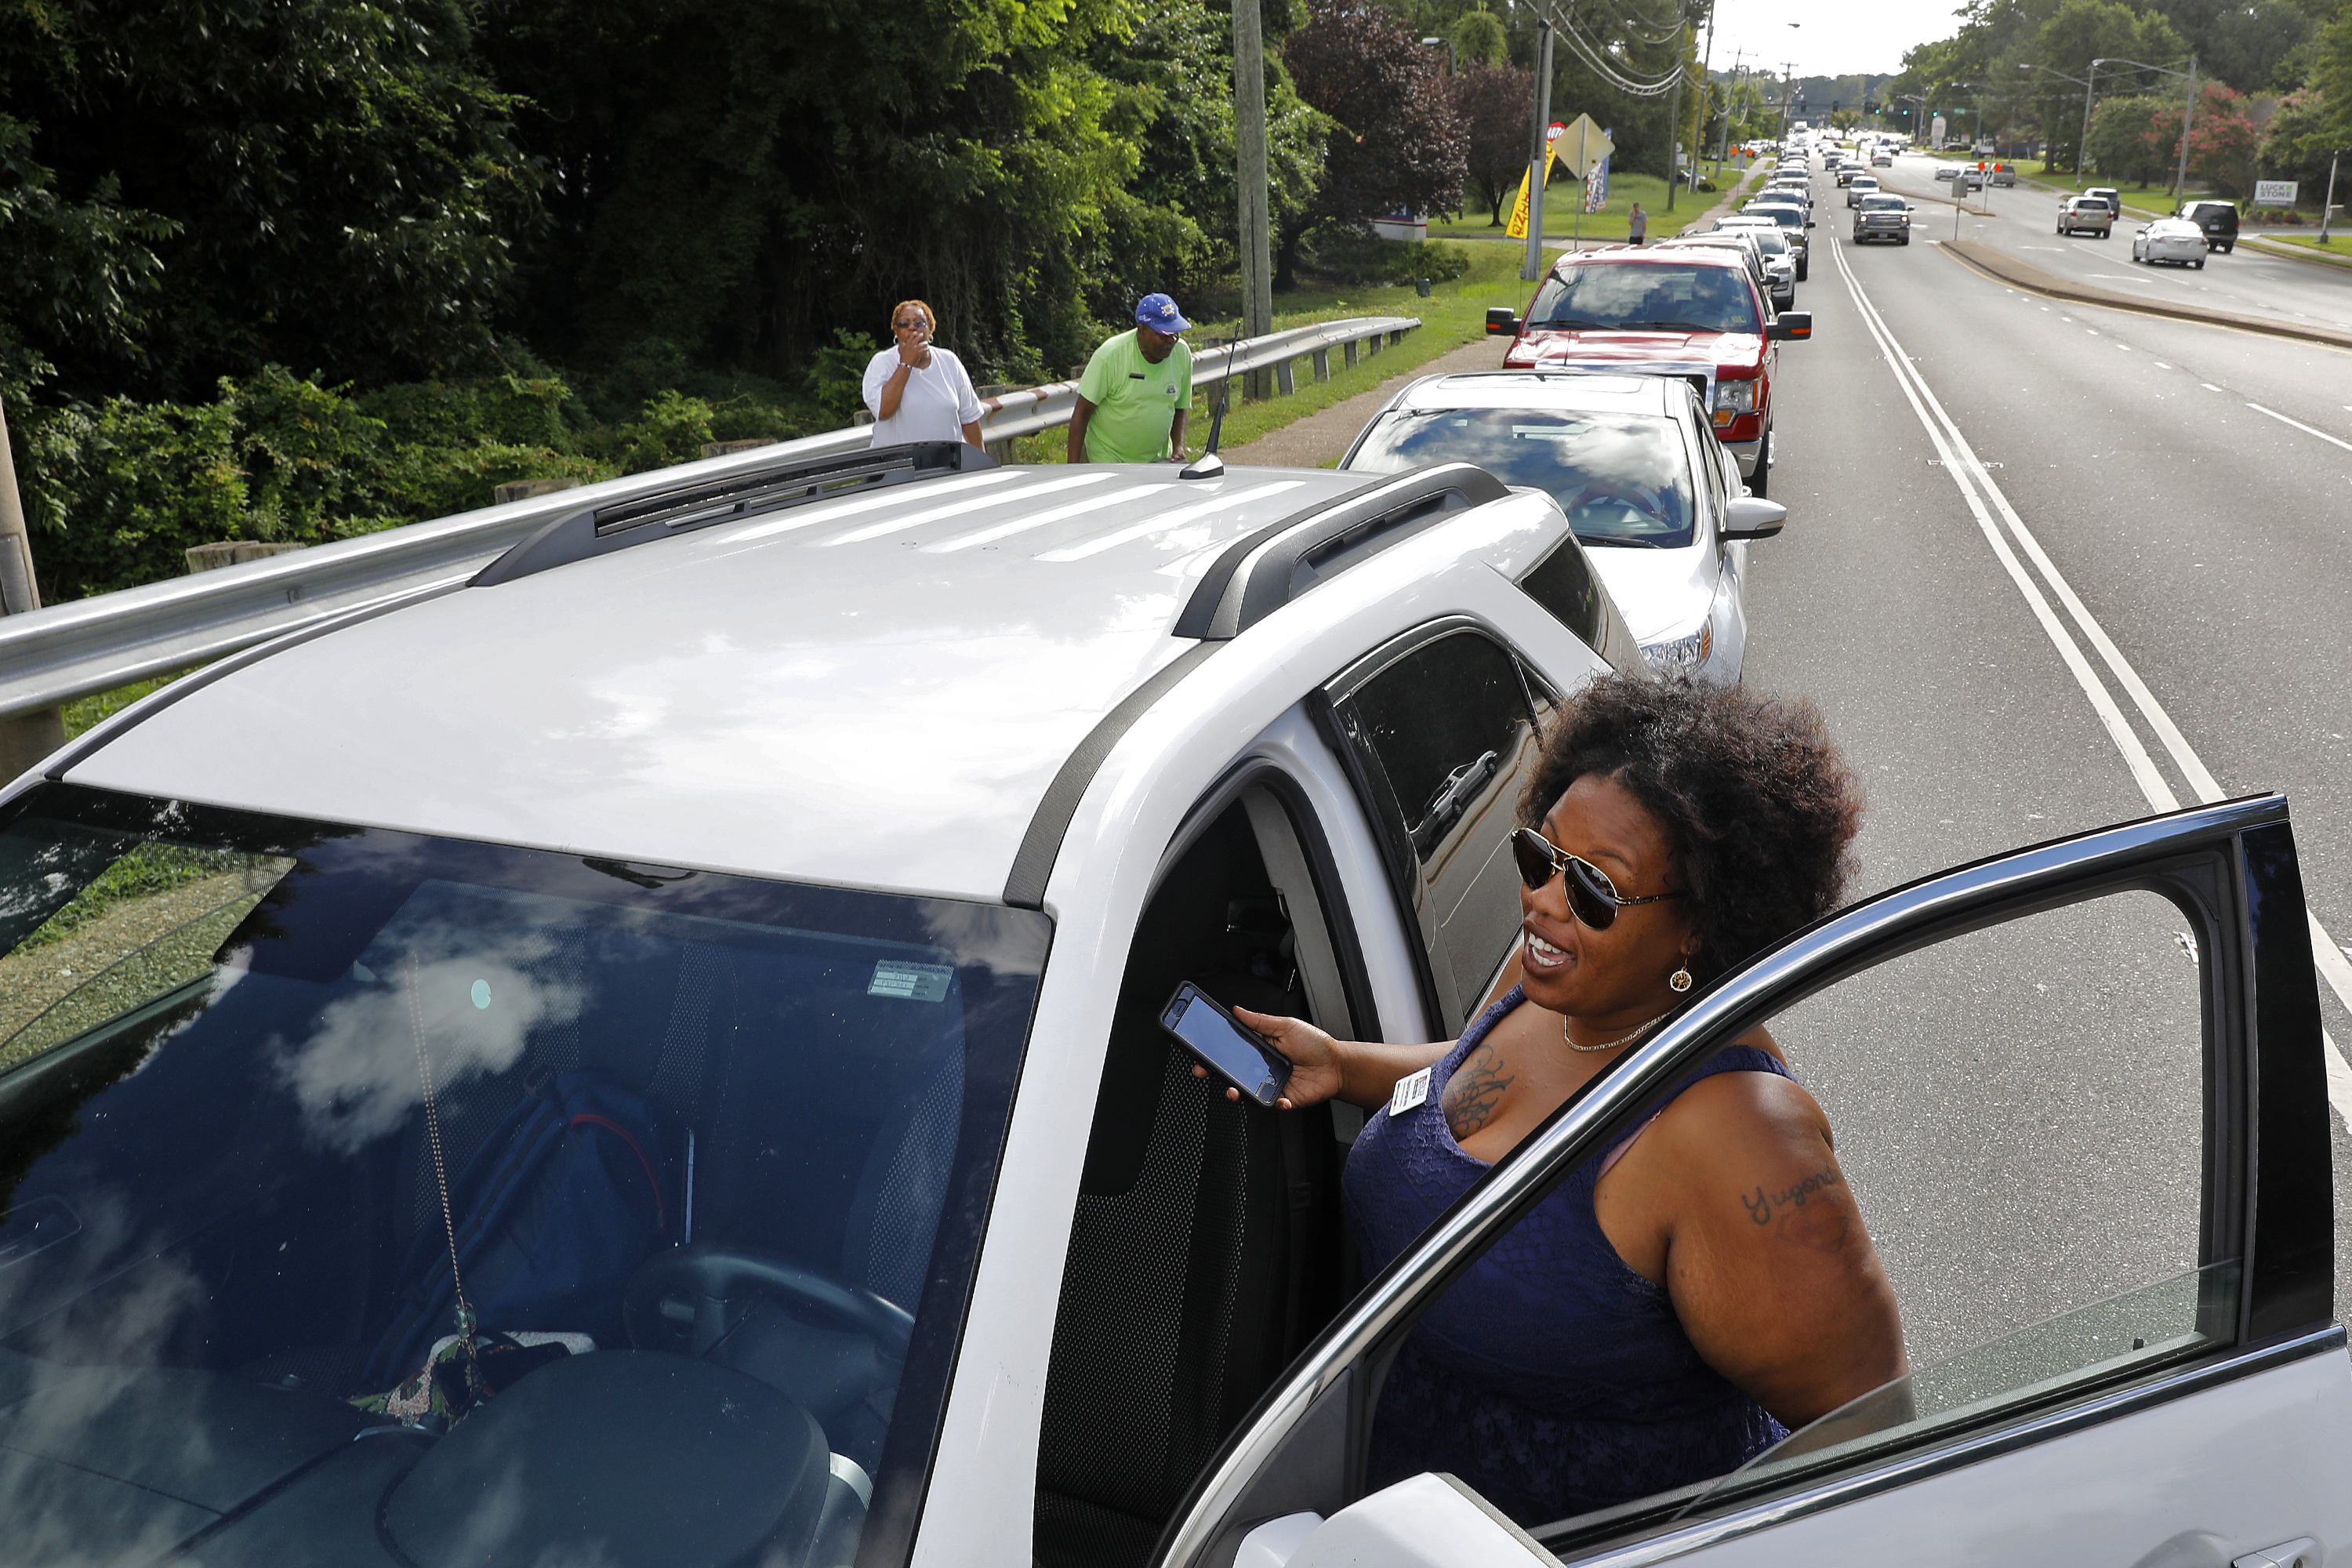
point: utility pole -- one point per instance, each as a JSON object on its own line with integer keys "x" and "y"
{"x": 1730, "y": 98}
{"x": 24, "y": 738}
{"x": 1533, "y": 269}
{"x": 1673, "y": 127}
{"x": 1698, "y": 120}
{"x": 2327, "y": 207}
{"x": 1249, "y": 153}
{"x": 2188, "y": 114}
{"x": 2083, "y": 147}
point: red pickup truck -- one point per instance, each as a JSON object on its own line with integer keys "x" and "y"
{"x": 1664, "y": 310}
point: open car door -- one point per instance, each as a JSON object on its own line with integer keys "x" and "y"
{"x": 2200, "y": 1418}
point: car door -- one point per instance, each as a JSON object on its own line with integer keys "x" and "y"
{"x": 1438, "y": 732}
{"x": 2197, "y": 1418}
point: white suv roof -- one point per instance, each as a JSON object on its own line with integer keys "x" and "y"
{"x": 877, "y": 692}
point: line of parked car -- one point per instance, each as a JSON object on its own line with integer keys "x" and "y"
{"x": 762, "y": 893}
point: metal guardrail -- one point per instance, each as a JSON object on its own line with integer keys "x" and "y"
{"x": 53, "y": 655}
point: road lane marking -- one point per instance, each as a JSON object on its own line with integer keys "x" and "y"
{"x": 2208, "y": 386}
{"x": 1971, "y": 475}
{"x": 2300, "y": 426}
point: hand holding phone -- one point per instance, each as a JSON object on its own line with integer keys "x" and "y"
{"x": 1232, "y": 1051}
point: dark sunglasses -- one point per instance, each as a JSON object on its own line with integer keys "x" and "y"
{"x": 1592, "y": 898}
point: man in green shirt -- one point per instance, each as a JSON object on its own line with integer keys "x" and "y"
{"x": 1136, "y": 389}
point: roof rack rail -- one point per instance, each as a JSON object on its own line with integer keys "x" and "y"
{"x": 599, "y": 530}
{"x": 1305, "y": 548}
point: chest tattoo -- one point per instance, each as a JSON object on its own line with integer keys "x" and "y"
{"x": 1474, "y": 1091}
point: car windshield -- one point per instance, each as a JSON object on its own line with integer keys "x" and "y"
{"x": 1646, "y": 295}
{"x": 1787, "y": 217}
{"x": 1772, "y": 241}
{"x": 711, "y": 1154}
{"x": 1622, "y": 478}
{"x": 1882, "y": 204}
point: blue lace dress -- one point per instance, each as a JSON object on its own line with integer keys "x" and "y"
{"x": 1552, "y": 1377}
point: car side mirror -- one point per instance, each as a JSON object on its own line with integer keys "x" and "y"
{"x": 1752, "y": 517}
{"x": 1502, "y": 322}
{"x": 1790, "y": 326}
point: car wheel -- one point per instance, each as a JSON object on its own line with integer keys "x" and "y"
{"x": 2227, "y": 249}
{"x": 2200, "y": 264}
{"x": 1905, "y": 240}
{"x": 1762, "y": 477}
{"x": 1803, "y": 270}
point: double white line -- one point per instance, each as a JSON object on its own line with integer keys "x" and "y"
{"x": 1985, "y": 501}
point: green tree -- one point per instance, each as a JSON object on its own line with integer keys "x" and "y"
{"x": 330, "y": 183}
{"x": 1480, "y": 38}
{"x": 1397, "y": 143}
{"x": 2133, "y": 138}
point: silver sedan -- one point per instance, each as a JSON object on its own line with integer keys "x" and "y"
{"x": 1654, "y": 499}
{"x": 2171, "y": 240}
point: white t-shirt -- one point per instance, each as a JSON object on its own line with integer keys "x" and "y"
{"x": 936, "y": 404}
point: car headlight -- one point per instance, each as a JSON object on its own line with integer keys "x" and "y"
{"x": 1682, "y": 656}
{"x": 1733, "y": 398}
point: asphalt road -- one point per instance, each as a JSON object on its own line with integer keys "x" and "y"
{"x": 2019, "y": 1114}
{"x": 2023, "y": 223}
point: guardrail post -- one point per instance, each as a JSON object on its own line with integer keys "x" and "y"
{"x": 1284, "y": 379}
{"x": 1323, "y": 364}
{"x": 1374, "y": 343}
{"x": 24, "y": 738}
{"x": 1347, "y": 349}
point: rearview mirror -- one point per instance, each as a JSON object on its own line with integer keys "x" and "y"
{"x": 1502, "y": 322}
{"x": 1752, "y": 517}
{"x": 1790, "y": 326}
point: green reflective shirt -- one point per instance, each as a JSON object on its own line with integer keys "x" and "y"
{"x": 1135, "y": 401}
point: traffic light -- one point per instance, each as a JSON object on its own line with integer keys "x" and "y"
{"x": 1870, "y": 106}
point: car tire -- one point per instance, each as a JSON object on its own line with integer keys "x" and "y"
{"x": 1804, "y": 268}
{"x": 1761, "y": 479}
{"x": 2200, "y": 264}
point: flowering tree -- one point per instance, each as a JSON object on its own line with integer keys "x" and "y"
{"x": 2222, "y": 142}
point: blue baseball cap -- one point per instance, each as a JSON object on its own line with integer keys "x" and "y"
{"x": 1159, "y": 312}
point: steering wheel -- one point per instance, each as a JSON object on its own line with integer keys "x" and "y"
{"x": 689, "y": 1298}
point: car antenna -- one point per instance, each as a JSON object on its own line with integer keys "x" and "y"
{"x": 1211, "y": 466}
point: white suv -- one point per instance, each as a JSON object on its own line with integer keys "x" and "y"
{"x": 714, "y": 959}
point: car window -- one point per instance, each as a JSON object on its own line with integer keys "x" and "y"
{"x": 256, "y": 1071}
{"x": 1882, "y": 204}
{"x": 1563, "y": 584}
{"x": 1620, "y": 477}
{"x": 1444, "y": 736}
{"x": 1660, "y": 296}
{"x": 2019, "y": 1116}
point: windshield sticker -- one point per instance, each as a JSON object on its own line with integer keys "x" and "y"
{"x": 910, "y": 982}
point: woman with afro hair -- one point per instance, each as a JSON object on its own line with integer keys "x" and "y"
{"x": 1704, "y": 1285}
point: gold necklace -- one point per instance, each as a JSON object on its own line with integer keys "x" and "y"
{"x": 1612, "y": 1045}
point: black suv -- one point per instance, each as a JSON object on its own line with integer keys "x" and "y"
{"x": 2218, "y": 219}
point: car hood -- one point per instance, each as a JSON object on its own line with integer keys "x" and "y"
{"x": 1650, "y": 353}
{"x": 1660, "y": 593}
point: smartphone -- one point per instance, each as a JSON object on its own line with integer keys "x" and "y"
{"x": 1229, "y": 1047}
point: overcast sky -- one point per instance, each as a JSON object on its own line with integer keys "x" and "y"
{"x": 1832, "y": 38}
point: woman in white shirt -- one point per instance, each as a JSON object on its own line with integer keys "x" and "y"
{"x": 918, "y": 391}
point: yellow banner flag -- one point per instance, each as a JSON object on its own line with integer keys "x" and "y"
{"x": 1517, "y": 228}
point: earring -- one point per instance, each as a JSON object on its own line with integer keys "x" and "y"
{"x": 1680, "y": 979}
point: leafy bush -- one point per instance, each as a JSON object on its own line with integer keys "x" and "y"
{"x": 1361, "y": 259}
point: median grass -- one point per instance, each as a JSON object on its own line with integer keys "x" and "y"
{"x": 2339, "y": 252}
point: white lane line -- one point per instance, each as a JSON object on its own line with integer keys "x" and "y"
{"x": 2208, "y": 386}
{"x": 2327, "y": 958}
{"x": 2300, "y": 426}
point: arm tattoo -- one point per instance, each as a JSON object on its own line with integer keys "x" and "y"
{"x": 1473, "y": 1091}
{"x": 1763, "y": 1206}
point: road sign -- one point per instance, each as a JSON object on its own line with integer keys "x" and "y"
{"x": 1583, "y": 145}
{"x": 2275, "y": 193}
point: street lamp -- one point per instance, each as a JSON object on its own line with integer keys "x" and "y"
{"x": 2085, "y": 142}
{"x": 1432, "y": 43}
{"x": 2327, "y": 207}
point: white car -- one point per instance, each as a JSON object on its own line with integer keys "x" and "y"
{"x": 763, "y": 894}
{"x": 2172, "y": 240}
{"x": 1861, "y": 185}
{"x": 1654, "y": 499}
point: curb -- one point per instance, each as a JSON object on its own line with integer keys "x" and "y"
{"x": 2006, "y": 269}
{"x": 2293, "y": 253}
